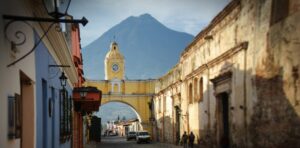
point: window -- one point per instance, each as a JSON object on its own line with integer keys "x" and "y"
{"x": 201, "y": 89}
{"x": 14, "y": 116}
{"x": 196, "y": 96}
{"x": 51, "y": 102}
{"x": 62, "y": 94}
{"x": 164, "y": 104}
{"x": 44, "y": 110}
{"x": 69, "y": 115}
{"x": 190, "y": 93}
{"x": 280, "y": 10}
{"x": 65, "y": 115}
{"x": 159, "y": 105}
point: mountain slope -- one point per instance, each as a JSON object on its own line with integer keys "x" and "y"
{"x": 150, "y": 49}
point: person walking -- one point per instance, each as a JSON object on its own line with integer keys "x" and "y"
{"x": 184, "y": 139}
{"x": 191, "y": 139}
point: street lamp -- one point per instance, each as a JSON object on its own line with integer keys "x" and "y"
{"x": 57, "y": 8}
{"x": 63, "y": 80}
{"x": 83, "y": 94}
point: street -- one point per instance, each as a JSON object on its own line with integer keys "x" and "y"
{"x": 120, "y": 142}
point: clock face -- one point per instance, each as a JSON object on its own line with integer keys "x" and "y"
{"x": 115, "y": 67}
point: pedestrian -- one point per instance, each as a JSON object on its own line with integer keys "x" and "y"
{"x": 184, "y": 139}
{"x": 191, "y": 139}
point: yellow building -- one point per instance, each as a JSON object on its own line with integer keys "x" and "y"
{"x": 135, "y": 93}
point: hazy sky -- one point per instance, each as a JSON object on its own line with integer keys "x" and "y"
{"x": 188, "y": 16}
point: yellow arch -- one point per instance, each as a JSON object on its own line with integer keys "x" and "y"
{"x": 135, "y": 93}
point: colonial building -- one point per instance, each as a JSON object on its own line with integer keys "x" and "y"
{"x": 125, "y": 126}
{"x": 38, "y": 74}
{"x": 115, "y": 88}
{"x": 236, "y": 84}
{"x": 77, "y": 116}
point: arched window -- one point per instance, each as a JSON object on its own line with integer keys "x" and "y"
{"x": 191, "y": 93}
{"x": 201, "y": 89}
{"x": 196, "y": 96}
{"x": 164, "y": 103}
{"x": 159, "y": 105}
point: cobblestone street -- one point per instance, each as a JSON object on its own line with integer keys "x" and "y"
{"x": 120, "y": 142}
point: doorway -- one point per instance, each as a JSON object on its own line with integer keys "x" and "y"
{"x": 223, "y": 124}
{"x": 177, "y": 125}
{"x": 27, "y": 111}
{"x": 45, "y": 113}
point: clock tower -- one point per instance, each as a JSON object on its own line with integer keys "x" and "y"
{"x": 114, "y": 63}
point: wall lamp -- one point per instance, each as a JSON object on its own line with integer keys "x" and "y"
{"x": 55, "y": 8}
{"x": 63, "y": 80}
{"x": 83, "y": 94}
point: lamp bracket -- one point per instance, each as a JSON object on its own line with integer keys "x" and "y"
{"x": 82, "y": 21}
{"x": 17, "y": 36}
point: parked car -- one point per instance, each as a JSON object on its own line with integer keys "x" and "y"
{"x": 143, "y": 136}
{"x": 131, "y": 135}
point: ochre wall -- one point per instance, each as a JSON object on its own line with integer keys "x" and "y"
{"x": 135, "y": 93}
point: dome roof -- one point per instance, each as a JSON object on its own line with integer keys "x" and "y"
{"x": 114, "y": 52}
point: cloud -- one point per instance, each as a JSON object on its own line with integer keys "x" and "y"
{"x": 182, "y": 15}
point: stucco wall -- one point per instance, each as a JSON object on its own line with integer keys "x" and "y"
{"x": 49, "y": 132}
{"x": 263, "y": 62}
{"x": 10, "y": 76}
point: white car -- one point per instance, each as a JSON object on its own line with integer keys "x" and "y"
{"x": 131, "y": 135}
{"x": 143, "y": 136}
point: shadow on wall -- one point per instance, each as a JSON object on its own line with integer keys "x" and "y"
{"x": 165, "y": 133}
{"x": 275, "y": 122}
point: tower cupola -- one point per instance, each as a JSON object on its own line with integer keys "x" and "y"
{"x": 114, "y": 63}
